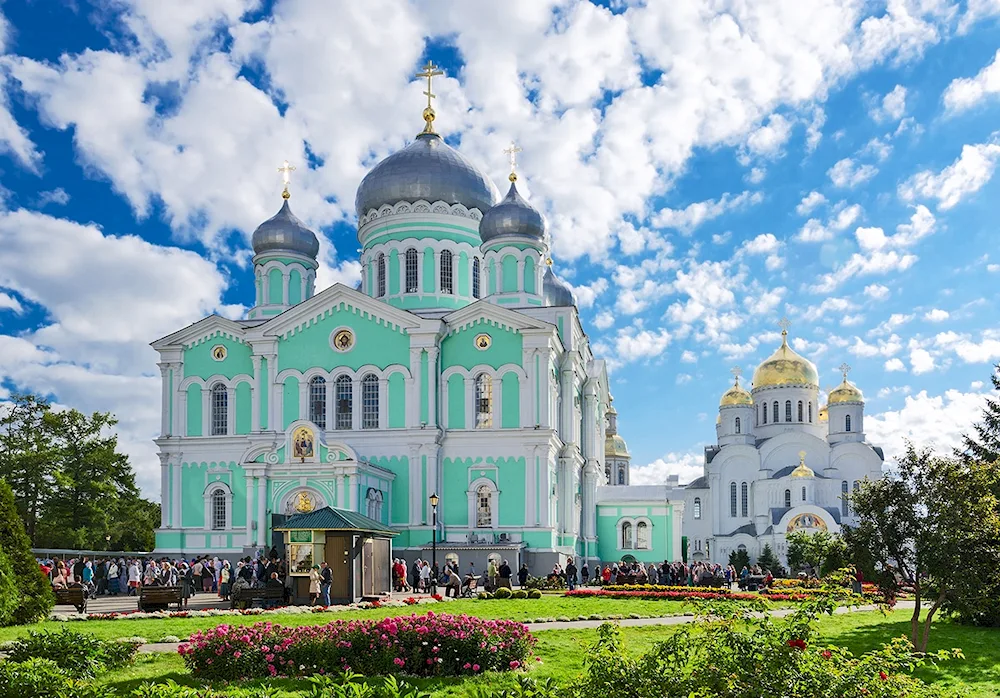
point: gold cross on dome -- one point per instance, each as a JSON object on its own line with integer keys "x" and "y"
{"x": 430, "y": 71}
{"x": 802, "y": 456}
{"x": 845, "y": 369}
{"x": 511, "y": 154}
{"x": 784, "y": 323}
{"x": 737, "y": 372}
{"x": 286, "y": 170}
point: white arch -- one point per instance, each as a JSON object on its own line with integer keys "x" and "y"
{"x": 472, "y": 494}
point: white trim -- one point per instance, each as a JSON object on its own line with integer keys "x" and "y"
{"x": 210, "y": 490}
{"x": 473, "y": 495}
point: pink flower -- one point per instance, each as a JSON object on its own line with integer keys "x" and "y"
{"x": 398, "y": 661}
{"x": 515, "y": 664}
{"x": 237, "y": 654}
{"x": 475, "y": 667}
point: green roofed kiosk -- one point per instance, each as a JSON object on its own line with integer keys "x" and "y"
{"x": 357, "y": 549}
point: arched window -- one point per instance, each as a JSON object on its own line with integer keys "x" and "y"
{"x": 741, "y": 548}
{"x": 626, "y": 536}
{"x": 744, "y": 499}
{"x": 621, "y": 476}
{"x": 475, "y": 277}
{"x": 218, "y": 510}
{"x": 446, "y": 272}
{"x": 857, "y": 485}
{"x": 774, "y": 412}
{"x": 800, "y": 410}
{"x": 369, "y": 402}
{"x": 763, "y": 411}
{"x": 373, "y": 501}
{"x": 317, "y": 401}
{"x": 345, "y": 402}
{"x": 847, "y": 423}
{"x": 732, "y": 499}
{"x": 788, "y": 410}
{"x": 803, "y": 493}
{"x": 697, "y": 507}
{"x": 484, "y": 401}
{"x": 844, "y": 502}
{"x": 788, "y": 499}
{"x": 810, "y": 413}
{"x": 484, "y": 507}
{"x": 220, "y": 410}
{"x": 411, "y": 271}
{"x": 737, "y": 425}
{"x": 381, "y": 275}
{"x": 642, "y": 535}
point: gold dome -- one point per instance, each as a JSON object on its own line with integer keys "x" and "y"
{"x": 845, "y": 392}
{"x": 736, "y": 396}
{"x": 823, "y": 414}
{"x": 614, "y": 447}
{"x": 785, "y": 367}
{"x": 802, "y": 470}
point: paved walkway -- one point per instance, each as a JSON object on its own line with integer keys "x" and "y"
{"x": 167, "y": 647}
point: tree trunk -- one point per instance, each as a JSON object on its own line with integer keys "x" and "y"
{"x": 915, "y": 620}
{"x": 927, "y": 622}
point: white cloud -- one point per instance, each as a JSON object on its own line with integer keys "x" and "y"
{"x": 687, "y": 466}
{"x": 892, "y": 106}
{"x": 936, "y": 315}
{"x": 635, "y": 343}
{"x": 878, "y": 147}
{"x": 586, "y": 294}
{"x": 976, "y": 385}
{"x": 967, "y": 175}
{"x": 683, "y": 378}
{"x": 833, "y": 306}
{"x": 965, "y": 93}
{"x": 969, "y": 350}
{"x": 693, "y": 215}
{"x": 883, "y": 347}
{"x": 895, "y": 364}
{"x": 846, "y": 173}
{"x": 921, "y": 360}
{"x": 604, "y": 320}
{"x": 763, "y": 244}
{"x": 814, "y": 131}
{"x": 877, "y": 292}
{"x": 8, "y": 302}
{"x": 722, "y": 238}
{"x": 768, "y": 140}
{"x": 689, "y": 357}
{"x": 809, "y": 202}
{"x": 57, "y": 196}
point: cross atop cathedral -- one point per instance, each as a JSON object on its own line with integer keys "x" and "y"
{"x": 802, "y": 457}
{"x": 286, "y": 170}
{"x": 784, "y": 323}
{"x": 430, "y": 71}
{"x": 737, "y": 372}
{"x": 511, "y": 154}
{"x": 845, "y": 369}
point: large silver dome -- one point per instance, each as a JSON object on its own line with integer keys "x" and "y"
{"x": 555, "y": 291}
{"x": 512, "y": 216}
{"x": 427, "y": 169}
{"x": 283, "y": 232}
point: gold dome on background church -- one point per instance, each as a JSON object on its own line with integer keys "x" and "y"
{"x": 737, "y": 394}
{"x": 846, "y": 391}
{"x": 785, "y": 367}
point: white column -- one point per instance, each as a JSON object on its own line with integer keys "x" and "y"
{"x": 175, "y": 500}
{"x": 471, "y": 408}
{"x": 206, "y": 411}
{"x": 383, "y": 403}
{"x": 284, "y": 287}
{"x": 454, "y": 273}
{"x": 413, "y": 391}
{"x": 255, "y": 395}
{"x": 356, "y": 403}
{"x": 437, "y": 272}
{"x": 352, "y": 485}
{"x": 527, "y": 389}
{"x": 265, "y": 297}
{"x": 164, "y": 399}
{"x": 164, "y": 489}
{"x": 273, "y": 404}
{"x": 303, "y": 399}
{"x": 420, "y": 271}
{"x": 180, "y": 403}
{"x": 230, "y": 411}
{"x": 250, "y": 515}
{"x": 433, "y": 380}
{"x": 261, "y": 510}
{"x": 566, "y": 398}
{"x": 520, "y": 275}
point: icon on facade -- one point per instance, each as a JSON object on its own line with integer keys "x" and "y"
{"x": 304, "y": 503}
{"x": 343, "y": 340}
{"x": 218, "y": 352}
{"x": 806, "y": 521}
{"x": 483, "y": 341}
{"x": 302, "y": 443}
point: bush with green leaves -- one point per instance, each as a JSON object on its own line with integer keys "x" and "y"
{"x": 484, "y": 596}
{"x": 171, "y": 689}
{"x": 519, "y": 594}
{"x": 503, "y": 593}
{"x": 34, "y": 598}
{"x": 41, "y": 678}
{"x": 534, "y": 594}
{"x": 350, "y": 685}
{"x": 77, "y": 654}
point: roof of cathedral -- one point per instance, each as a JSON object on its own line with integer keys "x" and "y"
{"x": 330, "y": 519}
{"x": 428, "y": 169}
{"x": 789, "y": 469}
{"x": 747, "y": 529}
{"x": 556, "y": 291}
{"x": 283, "y": 232}
{"x": 736, "y": 395}
{"x": 700, "y": 483}
{"x": 512, "y": 216}
{"x": 785, "y": 367}
{"x": 845, "y": 392}
{"x": 614, "y": 445}
{"x": 778, "y": 512}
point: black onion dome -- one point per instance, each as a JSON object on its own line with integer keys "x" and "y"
{"x": 555, "y": 291}
{"x": 283, "y": 232}
{"x": 512, "y": 216}
{"x": 430, "y": 170}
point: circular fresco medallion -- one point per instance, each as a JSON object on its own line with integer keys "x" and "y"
{"x": 483, "y": 342}
{"x": 343, "y": 340}
{"x": 218, "y": 352}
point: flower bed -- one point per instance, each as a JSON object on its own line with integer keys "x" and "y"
{"x": 427, "y": 645}
{"x": 681, "y": 593}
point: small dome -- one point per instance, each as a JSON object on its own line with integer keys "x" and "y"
{"x": 736, "y": 395}
{"x": 845, "y": 392}
{"x": 802, "y": 470}
{"x": 556, "y": 291}
{"x": 824, "y": 416}
{"x": 614, "y": 446}
{"x": 512, "y": 216}
{"x": 427, "y": 169}
{"x": 283, "y": 232}
{"x": 785, "y": 367}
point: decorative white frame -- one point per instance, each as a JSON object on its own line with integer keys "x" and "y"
{"x": 473, "y": 493}
{"x": 225, "y": 352}
{"x": 337, "y": 330}
{"x": 634, "y": 521}
{"x": 209, "y": 491}
{"x": 286, "y": 506}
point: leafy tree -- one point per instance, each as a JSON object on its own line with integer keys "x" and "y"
{"x": 984, "y": 444}
{"x": 27, "y": 455}
{"x": 821, "y": 552}
{"x": 34, "y": 596}
{"x": 769, "y": 561}
{"x": 934, "y": 526}
{"x": 739, "y": 559}
{"x": 133, "y": 525}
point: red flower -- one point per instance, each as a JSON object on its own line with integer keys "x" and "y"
{"x": 882, "y": 675}
{"x": 826, "y": 654}
{"x": 798, "y": 643}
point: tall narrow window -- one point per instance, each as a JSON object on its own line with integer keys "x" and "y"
{"x": 800, "y": 410}
{"x": 626, "y": 536}
{"x": 803, "y": 494}
{"x": 810, "y": 413}
{"x": 381, "y": 275}
{"x": 744, "y": 500}
{"x": 763, "y": 411}
{"x": 345, "y": 402}
{"x": 373, "y": 501}
{"x": 857, "y": 485}
{"x": 411, "y": 271}
{"x": 484, "y": 507}
{"x": 621, "y": 476}
{"x": 475, "y": 277}
{"x": 642, "y": 535}
{"x": 788, "y": 410}
{"x": 788, "y": 499}
{"x": 697, "y": 507}
{"x": 732, "y": 499}
{"x": 484, "y": 401}
{"x": 369, "y": 402}
{"x": 737, "y": 425}
{"x": 317, "y": 401}
{"x": 446, "y": 272}
{"x": 220, "y": 410}
{"x": 847, "y": 423}
{"x": 844, "y": 502}
{"x": 218, "y": 510}
{"x": 774, "y": 412}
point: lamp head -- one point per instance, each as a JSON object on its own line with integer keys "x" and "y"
{"x": 434, "y": 500}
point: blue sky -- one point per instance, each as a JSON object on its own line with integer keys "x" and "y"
{"x": 705, "y": 169}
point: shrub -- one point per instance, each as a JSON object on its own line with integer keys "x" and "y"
{"x": 171, "y": 689}
{"x": 519, "y": 594}
{"x": 503, "y": 593}
{"x": 428, "y": 645}
{"x": 35, "y": 599}
{"x": 41, "y": 678}
{"x": 78, "y": 654}
{"x": 484, "y": 596}
{"x": 534, "y": 594}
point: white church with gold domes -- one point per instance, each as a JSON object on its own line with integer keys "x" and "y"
{"x": 782, "y": 462}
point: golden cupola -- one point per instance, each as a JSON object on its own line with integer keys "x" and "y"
{"x": 736, "y": 395}
{"x": 846, "y": 391}
{"x": 802, "y": 470}
{"x": 785, "y": 367}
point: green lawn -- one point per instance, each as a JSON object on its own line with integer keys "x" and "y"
{"x": 562, "y": 653}
{"x": 548, "y": 606}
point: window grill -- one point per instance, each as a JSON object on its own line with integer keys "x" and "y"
{"x": 344, "y": 396}
{"x": 369, "y": 402}
{"x": 446, "y": 272}
{"x": 411, "y": 271}
{"x": 317, "y": 401}
{"x": 220, "y": 410}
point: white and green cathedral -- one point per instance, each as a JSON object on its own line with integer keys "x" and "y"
{"x": 457, "y": 368}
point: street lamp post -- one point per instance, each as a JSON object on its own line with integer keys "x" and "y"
{"x": 434, "y": 557}
{"x": 107, "y": 542}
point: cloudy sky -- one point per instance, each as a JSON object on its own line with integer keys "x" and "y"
{"x": 705, "y": 167}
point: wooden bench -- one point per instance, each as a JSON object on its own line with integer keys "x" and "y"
{"x": 76, "y": 596}
{"x": 245, "y": 597}
{"x": 152, "y": 598}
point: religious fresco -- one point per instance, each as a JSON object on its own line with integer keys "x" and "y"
{"x": 806, "y": 521}
{"x": 303, "y": 443}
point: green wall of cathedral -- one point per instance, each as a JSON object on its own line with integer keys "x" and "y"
{"x": 198, "y": 359}
{"x": 196, "y": 478}
{"x": 506, "y": 473}
{"x": 400, "y": 466}
{"x": 661, "y": 534}
{"x": 375, "y": 343}
{"x": 458, "y": 349}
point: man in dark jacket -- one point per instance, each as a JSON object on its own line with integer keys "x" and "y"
{"x": 325, "y": 582}
{"x": 505, "y": 575}
{"x": 570, "y": 574}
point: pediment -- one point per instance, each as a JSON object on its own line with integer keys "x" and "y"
{"x": 333, "y": 298}
{"x": 210, "y": 326}
{"x": 484, "y": 311}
